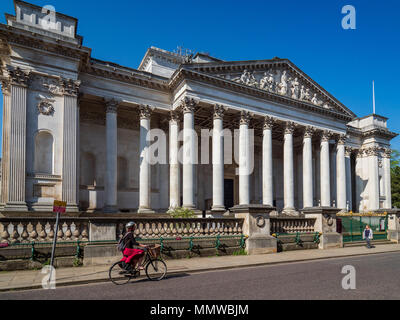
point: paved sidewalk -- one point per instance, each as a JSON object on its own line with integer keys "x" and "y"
{"x": 32, "y": 279}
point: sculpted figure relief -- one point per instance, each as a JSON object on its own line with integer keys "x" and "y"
{"x": 286, "y": 85}
{"x": 282, "y": 86}
{"x": 247, "y": 78}
{"x": 295, "y": 88}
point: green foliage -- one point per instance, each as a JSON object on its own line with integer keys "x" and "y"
{"x": 77, "y": 262}
{"x": 395, "y": 160}
{"x": 240, "y": 252}
{"x": 179, "y": 212}
{"x": 395, "y": 186}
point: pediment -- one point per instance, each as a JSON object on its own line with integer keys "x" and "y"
{"x": 279, "y": 77}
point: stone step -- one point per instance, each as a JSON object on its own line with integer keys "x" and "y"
{"x": 363, "y": 243}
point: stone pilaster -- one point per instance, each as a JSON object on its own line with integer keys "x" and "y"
{"x": 386, "y": 178}
{"x": 145, "y": 167}
{"x": 15, "y": 104}
{"x": 111, "y": 157}
{"x": 373, "y": 178}
{"x": 70, "y": 190}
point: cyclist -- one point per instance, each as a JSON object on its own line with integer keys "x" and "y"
{"x": 134, "y": 251}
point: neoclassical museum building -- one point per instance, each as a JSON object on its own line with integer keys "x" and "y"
{"x": 75, "y": 128}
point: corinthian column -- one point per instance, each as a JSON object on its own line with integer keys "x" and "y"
{"x": 218, "y": 159}
{"x": 324, "y": 167}
{"x": 288, "y": 176}
{"x": 189, "y": 153}
{"x": 174, "y": 188}
{"x": 268, "y": 195}
{"x": 70, "y": 89}
{"x": 244, "y": 159}
{"x": 145, "y": 167}
{"x": 308, "y": 197}
{"x": 111, "y": 157}
{"x": 14, "y": 151}
{"x": 341, "y": 174}
{"x": 387, "y": 179}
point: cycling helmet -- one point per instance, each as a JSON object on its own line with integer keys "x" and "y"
{"x": 130, "y": 224}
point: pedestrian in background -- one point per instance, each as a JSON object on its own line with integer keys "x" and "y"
{"x": 368, "y": 235}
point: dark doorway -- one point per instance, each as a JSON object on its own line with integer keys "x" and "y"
{"x": 228, "y": 193}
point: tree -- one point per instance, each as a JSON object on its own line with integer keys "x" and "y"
{"x": 395, "y": 177}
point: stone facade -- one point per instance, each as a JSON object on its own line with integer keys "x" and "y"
{"x": 75, "y": 130}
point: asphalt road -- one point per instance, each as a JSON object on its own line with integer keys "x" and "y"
{"x": 377, "y": 277}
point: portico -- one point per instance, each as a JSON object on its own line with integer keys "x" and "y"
{"x": 191, "y": 131}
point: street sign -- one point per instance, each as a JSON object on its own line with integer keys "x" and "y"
{"x": 58, "y": 207}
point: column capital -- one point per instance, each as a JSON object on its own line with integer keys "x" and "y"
{"x": 326, "y": 135}
{"x": 387, "y": 153}
{"x": 348, "y": 151}
{"x": 359, "y": 152}
{"x": 372, "y": 151}
{"x": 219, "y": 111}
{"x": 189, "y": 105}
{"x": 5, "y": 86}
{"x": 341, "y": 139}
{"x": 174, "y": 116}
{"x": 111, "y": 105}
{"x": 269, "y": 123}
{"x": 308, "y": 132}
{"x": 17, "y": 76}
{"x": 69, "y": 87}
{"x": 145, "y": 112}
{"x": 289, "y": 127}
{"x": 245, "y": 117}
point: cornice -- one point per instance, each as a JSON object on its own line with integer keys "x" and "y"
{"x": 183, "y": 74}
{"x": 34, "y": 40}
{"x": 379, "y": 132}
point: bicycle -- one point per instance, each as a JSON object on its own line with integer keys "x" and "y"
{"x": 155, "y": 268}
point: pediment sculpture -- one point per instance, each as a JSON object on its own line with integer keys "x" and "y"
{"x": 282, "y": 82}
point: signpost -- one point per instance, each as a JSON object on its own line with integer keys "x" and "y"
{"x": 58, "y": 207}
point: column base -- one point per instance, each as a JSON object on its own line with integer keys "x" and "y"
{"x": 15, "y": 206}
{"x": 216, "y": 212}
{"x": 145, "y": 210}
{"x": 290, "y": 212}
{"x": 110, "y": 209}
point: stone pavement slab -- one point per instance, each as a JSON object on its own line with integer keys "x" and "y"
{"x": 31, "y": 279}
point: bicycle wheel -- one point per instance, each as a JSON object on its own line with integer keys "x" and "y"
{"x": 156, "y": 269}
{"x": 118, "y": 275}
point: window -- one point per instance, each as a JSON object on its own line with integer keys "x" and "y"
{"x": 44, "y": 153}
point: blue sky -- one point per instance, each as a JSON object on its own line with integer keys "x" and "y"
{"x": 307, "y": 32}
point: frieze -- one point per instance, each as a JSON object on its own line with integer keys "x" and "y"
{"x": 283, "y": 82}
